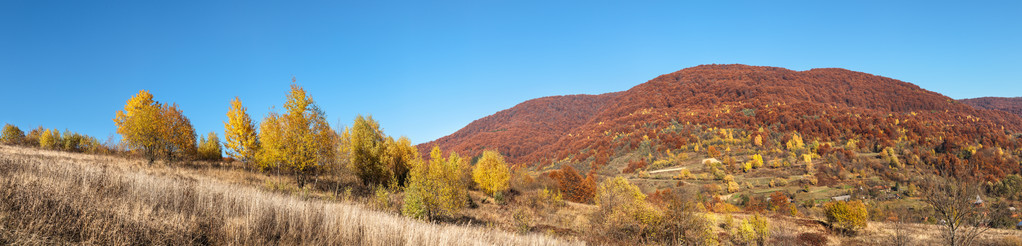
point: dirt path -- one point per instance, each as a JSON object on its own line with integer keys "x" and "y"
{"x": 667, "y": 170}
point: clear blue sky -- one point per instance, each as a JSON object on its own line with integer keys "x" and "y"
{"x": 425, "y": 70}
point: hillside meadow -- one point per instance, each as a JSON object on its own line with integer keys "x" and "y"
{"x": 49, "y": 197}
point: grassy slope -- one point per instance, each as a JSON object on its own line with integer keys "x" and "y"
{"x": 49, "y": 197}
{"x": 53, "y": 197}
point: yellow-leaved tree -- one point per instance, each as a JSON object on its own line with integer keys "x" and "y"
{"x": 491, "y": 173}
{"x": 847, "y": 217}
{"x": 367, "y": 149}
{"x": 48, "y": 139}
{"x": 152, "y": 129}
{"x": 622, "y": 209}
{"x": 209, "y": 148}
{"x": 397, "y": 159}
{"x": 299, "y": 141}
{"x": 435, "y": 188}
{"x": 241, "y": 142}
{"x": 795, "y": 143}
{"x": 12, "y": 135}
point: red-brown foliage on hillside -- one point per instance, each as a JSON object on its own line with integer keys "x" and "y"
{"x": 820, "y": 104}
{"x": 523, "y": 129}
{"x": 1007, "y": 104}
{"x": 575, "y": 187}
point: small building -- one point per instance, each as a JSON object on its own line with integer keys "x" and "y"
{"x": 843, "y": 198}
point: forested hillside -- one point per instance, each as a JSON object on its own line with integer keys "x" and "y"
{"x": 828, "y": 105}
{"x": 1008, "y": 104}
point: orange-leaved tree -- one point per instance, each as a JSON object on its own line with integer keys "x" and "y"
{"x": 574, "y": 186}
{"x": 153, "y": 129}
{"x": 178, "y": 133}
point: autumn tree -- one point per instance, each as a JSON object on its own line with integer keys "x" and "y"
{"x": 242, "y": 143}
{"x": 956, "y": 204}
{"x": 368, "y": 147}
{"x": 300, "y": 140}
{"x": 178, "y": 133}
{"x": 49, "y": 138}
{"x": 755, "y": 229}
{"x": 397, "y": 159}
{"x": 73, "y": 142}
{"x": 209, "y": 148}
{"x": 623, "y": 209}
{"x": 11, "y": 135}
{"x": 848, "y": 217}
{"x": 573, "y": 185}
{"x": 795, "y": 143}
{"x": 757, "y": 161}
{"x": 153, "y": 129}
{"x": 491, "y": 173}
{"x": 684, "y": 221}
{"x": 435, "y": 188}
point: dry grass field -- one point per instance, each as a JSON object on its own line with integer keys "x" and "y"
{"x": 49, "y": 197}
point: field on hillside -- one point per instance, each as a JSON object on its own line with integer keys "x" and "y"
{"x": 49, "y": 197}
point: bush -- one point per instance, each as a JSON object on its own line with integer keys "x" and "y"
{"x": 11, "y": 135}
{"x": 623, "y": 210}
{"x": 754, "y": 229}
{"x": 846, "y": 217}
{"x": 812, "y": 239}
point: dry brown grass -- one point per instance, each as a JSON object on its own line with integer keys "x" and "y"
{"x": 61, "y": 198}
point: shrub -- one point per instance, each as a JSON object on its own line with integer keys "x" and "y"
{"x": 812, "y": 239}
{"x": 684, "y": 174}
{"x": 491, "y": 173}
{"x": 754, "y": 229}
{"x": 11, "y": 135}
{"x": 846, "y": 217}
{"x": 623, "y": 209}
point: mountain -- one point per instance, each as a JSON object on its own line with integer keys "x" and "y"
{"x": 676, "y": 110}
{"x": 1008, "y": 104}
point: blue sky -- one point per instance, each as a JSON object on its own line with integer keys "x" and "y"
{"x": 426, "y": 69}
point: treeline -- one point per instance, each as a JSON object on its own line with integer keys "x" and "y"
{"x": 53, "y": 139}
{"x": 299, "y": 142}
